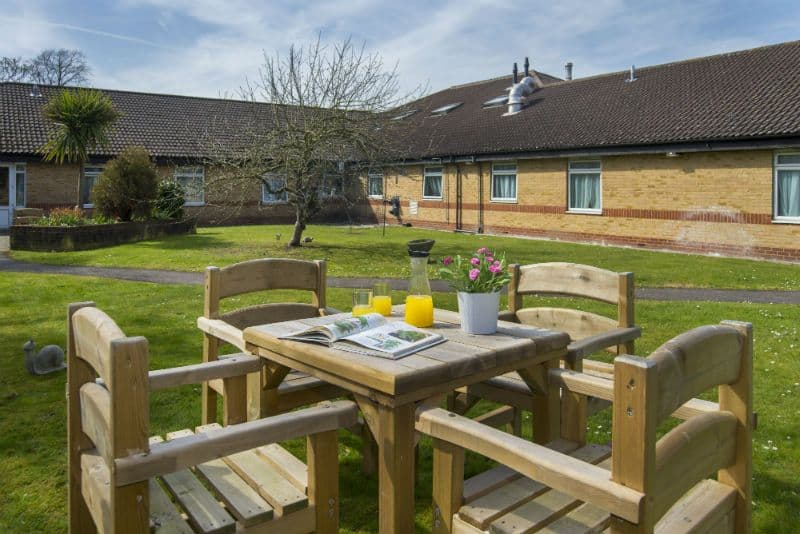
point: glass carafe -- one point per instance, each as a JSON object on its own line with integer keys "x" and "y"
{"x": 419, "y": 303}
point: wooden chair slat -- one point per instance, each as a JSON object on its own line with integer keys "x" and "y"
{"x": 281, "y": 494}
{"x": 285, "y": 463}
{"x": 205, "y": 513}
{"x": 256, "y": 275}
{"x": 577, "y": 323}
{"x": 96, "y": 418}
{"x": 569, "y": 279}
{"x": 164, "y": 517}
{"x": 585, "y": 519}
{"x": 701, "y": 509}
{"x": 95, "y": 489}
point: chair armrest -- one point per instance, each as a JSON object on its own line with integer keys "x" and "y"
{"x": 222, "y": 330}
{"x": 177, "y": 454}
{"x": 581, "y": 480}
{"x": 579, "y": 349}
{"x": 228, "y": 366}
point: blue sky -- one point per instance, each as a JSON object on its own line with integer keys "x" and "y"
{"x": 209, "y": 47}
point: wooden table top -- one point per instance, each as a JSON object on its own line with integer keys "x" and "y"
{"x": 462, "y": 359}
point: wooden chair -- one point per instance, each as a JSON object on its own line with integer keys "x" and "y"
{"x": 589, "y": 332}
{"x": 296, "y": 389}
{"x": 227, "y": 479}
{"x": 640, "y": 484}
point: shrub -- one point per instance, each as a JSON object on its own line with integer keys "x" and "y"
{"x": 169, "y": 201}
{"x": 127, "y": 186}
{"x": 71, "y": 217}
{"x": 64, "y": 217}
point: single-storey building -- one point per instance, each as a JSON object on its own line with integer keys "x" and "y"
{"x": 700, "y": 155}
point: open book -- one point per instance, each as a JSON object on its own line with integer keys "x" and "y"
{"x": 385, "y": 339}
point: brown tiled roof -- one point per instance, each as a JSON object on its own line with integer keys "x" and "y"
{"x": 742, "y": 95}
{"x": 167, "y": 125}
{"x": 752, "y": 94}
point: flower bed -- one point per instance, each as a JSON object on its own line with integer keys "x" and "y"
{"x": 67, "y": 238}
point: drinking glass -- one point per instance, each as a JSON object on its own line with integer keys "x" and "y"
{"x": 382, "y": 298}
{"x": 362, "y": 302}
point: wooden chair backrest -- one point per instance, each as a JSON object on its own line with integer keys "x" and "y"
{"x": 260, "y": 275}
{"x": 648, "y": 390}
{"x": 111, "y": 417}
{"x": 571, "y": 279}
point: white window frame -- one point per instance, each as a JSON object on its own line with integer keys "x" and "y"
{"x": 428, "y": 172}
{"x": 97, "y": 171}
{"x": 599, "y": 171}
{"x": 777, "y": 167}
{"x": 21, "y": 169}
{"x": 374, "y": 176}
{"x": 185, "y": 171}
{"x": 272, "y": 177}
{"x": 504, "y": 172}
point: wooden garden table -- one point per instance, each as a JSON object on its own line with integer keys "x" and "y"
{"x": 388, "y": 391}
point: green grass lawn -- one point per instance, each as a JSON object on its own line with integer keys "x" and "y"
{"x": 361, "y": 251}
{"x": 32, "y": 409}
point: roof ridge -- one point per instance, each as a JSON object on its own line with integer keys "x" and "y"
{"x": 127, "y": 91}
{"x": 678, "y": 62}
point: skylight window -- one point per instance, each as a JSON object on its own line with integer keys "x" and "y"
{"x": 404, "y": 115}
{"x": 497, "y": 101}
{"x": 444, "y": 110}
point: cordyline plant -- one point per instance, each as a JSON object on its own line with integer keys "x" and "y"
{"x": 484, "y": 272}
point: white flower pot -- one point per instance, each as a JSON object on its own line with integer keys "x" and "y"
{"x": 478, "y": 312}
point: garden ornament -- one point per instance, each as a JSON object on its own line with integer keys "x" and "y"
{"x": 49, "y": 360}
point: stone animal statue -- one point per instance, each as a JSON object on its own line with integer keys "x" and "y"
{"x": 49, "y": 360}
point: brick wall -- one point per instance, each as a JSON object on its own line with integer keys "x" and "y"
{"x": 51, "y": 186}
{"x": 705, "y": 202}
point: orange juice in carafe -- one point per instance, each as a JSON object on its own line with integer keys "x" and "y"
{"x": 419, "y": 303}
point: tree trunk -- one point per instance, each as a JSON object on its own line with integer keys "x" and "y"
{"x": 299, "y": 226}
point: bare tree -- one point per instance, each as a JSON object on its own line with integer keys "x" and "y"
{"x": 51, "y": 67}
{"x": 59, "y": 67}
{"x": 325, "y": 123}
{"x": 13, "y": 69}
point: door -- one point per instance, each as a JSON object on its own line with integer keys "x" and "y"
{"x": 5, "y": 197}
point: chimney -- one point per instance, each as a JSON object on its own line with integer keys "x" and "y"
{"x": 35, "y": 91}
{"x": 568, "y": 71}
{"x": 633, "y": 74}
{"x": 514, "y": 72}
{"x": 527, "y": 67}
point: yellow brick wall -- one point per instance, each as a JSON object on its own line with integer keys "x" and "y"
{"x": 648, "y": 200}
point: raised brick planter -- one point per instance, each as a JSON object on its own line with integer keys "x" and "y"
{"x": 66, "y": 238}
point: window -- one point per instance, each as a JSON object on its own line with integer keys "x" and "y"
{"x": 20, "y": 185}
{"x": 90, "y": 175}
{"x": 444, "y": 110}
{"x": 584, "y": 186}
{"x": 330, "y": 186}
{"x": 375, "y": 185}
{"x": 192, "y": 179}
{"x": 787, "y": 187}
{"x": 497, "y": 101}
{"x": 276, "y": 182}
{"x": 504, "y": 182}
{"x": 404, "y": 115}
{"x": 432, "y": 183}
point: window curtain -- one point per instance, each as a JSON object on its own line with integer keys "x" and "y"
{"x": 376, "y": 186}
{"x": 584, "y": 191}
{"x": 789, "y": 193}
{"x": 505, "y": 186}
{"x": 433, "y": 186}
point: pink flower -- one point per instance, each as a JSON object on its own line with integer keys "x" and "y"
{"x": 497, "y": 263}
{"x": 489, "y": 259}
{"x": 447, "y": 260}
{"x": 483, "y": 250}
{"x": 475, "y": 261}
{"x": 495, "y": 268}
{"x": 473, "y": 274}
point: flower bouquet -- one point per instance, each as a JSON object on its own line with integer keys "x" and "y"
{"x": 478, "y": 280}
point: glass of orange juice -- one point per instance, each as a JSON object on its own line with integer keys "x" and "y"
{"x": 382, "y": 298}
{"x": 362, "y": 302}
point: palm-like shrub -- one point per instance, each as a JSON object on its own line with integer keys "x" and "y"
{"x": 127, "y": 186}
{"x": 83, "y": 119}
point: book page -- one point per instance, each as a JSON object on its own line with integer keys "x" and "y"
{"x": 348, "y": 326}
{"x": 396, "y": 338}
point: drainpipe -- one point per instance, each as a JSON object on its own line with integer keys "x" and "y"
{"x": 480, "y": 197}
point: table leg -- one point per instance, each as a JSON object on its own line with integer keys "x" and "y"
{"x": 546, "y": 401}
{"x": 262, "y": 390}
{"x": 396, "y": 468}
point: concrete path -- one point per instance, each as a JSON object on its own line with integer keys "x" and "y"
{"x": 158, "y": 276}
